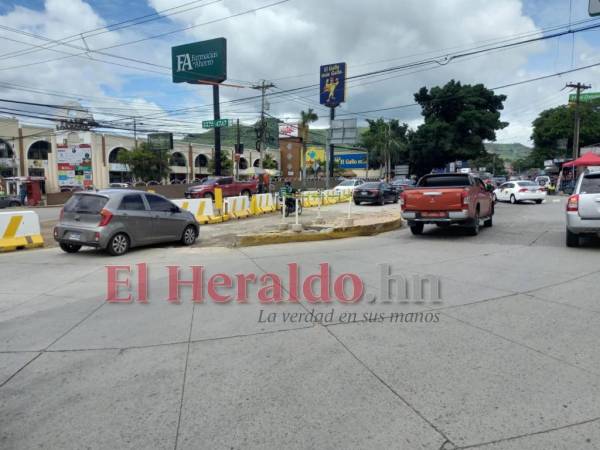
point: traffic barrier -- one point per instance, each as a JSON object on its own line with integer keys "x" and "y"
{"x": 201, "y": 208}
{"x": 237, "y": 207}
{"x": 265, "y": 203}
{"x": 20, "y": 230}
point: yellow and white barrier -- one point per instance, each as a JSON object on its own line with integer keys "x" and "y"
{"x": 237, "y": 207}
{"x": 264, "y": 203}
{"x": 201, "y": 208}
{"x": 20, "y": 229}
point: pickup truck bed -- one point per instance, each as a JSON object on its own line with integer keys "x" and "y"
{"x": 448, "y": 199}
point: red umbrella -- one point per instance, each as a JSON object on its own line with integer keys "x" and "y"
{"x": 589, "y": 159}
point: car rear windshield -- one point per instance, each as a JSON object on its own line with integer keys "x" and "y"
{"x": 527, "y": 183}
{"x": 370, "y": 186}
{"x": 347, "y": 183}
{"x": 85, "y": 204}
{"x": 445, "y": 181}
{"x": 590, "y": 184}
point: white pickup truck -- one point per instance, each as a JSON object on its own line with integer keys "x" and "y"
{"x": 583, "y": 208}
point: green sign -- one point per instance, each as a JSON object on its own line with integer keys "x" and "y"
{"x": 200, "y": 62}
{"x": 160, "y": 142}
{"x": 217, "y": 123}
{"x": 585, "y": 98}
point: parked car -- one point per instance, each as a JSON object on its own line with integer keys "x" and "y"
{"x": 348, "y": 185}
{"x": 120, "y": 185}
{"x": 402, "y": 183}
{"x": 230, "y": 188}
{"x": 447, "y": 199}
{"x": 9, "y": 201}
{"x": 519, "y": 191}
{"x": 583, "y": 208}
{"x": 70, "y": 188}
{"x": 375, "y": 192}
{"x": 116, "y": 220}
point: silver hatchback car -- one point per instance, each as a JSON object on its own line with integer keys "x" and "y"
{"x": 118, "y": 219}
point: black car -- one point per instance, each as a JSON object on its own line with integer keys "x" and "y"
{"x": 9, "y": 201}
{"x": 375, "y": 192}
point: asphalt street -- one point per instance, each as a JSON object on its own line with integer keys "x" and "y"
{"x": 509, "y": 360}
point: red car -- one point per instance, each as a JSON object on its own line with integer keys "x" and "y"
{"x": 230, "y": 187}
{"x": 447, "y": 199}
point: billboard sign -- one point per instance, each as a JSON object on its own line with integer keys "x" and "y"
{"x": 333, "y": 84}
{"x": 200, "y": 62}
{"x": 343, "y": 131}
{"x": 160, "y": 142}
{"x": 351, "y": 160}
{"x": 314, "y": 153}
{"x": 74, "y": 165}
{"x": 288, "y": 130}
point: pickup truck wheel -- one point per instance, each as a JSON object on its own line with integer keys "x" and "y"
{"x": 572, "y": 239}
{"x": 417, "y": 229}
{"x": 208, "y": 195}
{"x": 474, "y": 228}
{"x": 488, "y": 222}
{"x": 513, "y": 200}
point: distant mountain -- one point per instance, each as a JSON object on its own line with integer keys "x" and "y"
{"x": 509, "y": 152}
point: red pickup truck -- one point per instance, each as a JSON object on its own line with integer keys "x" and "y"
{"x": 230, "y": 187}
{"x": 446, "y": 199}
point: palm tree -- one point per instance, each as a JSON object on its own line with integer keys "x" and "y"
{"x": 306, "y": 118}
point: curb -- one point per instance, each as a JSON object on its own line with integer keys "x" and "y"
{"x": 336, "y": 233}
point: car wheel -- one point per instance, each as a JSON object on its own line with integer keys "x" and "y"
{"x": 13, "y": 204}
{"x": 396, "y": 199}
{"x": 539, "y": 202}
{"x": 513, "y": 200}
{"x": 118, "y": 244}
{"x": 356, "y": 202}
{"x": 70, "y": 248}
{"x": 474, "y": 228}
{"x": 382, "y": 200}
{"x": 572, "y": 239}
{"x": 189, "y": 235}
{"x": 417, "y": 229}
{"x": 208, "y": 195}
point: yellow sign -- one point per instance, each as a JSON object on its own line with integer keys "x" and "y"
{"x": 314, "y": 153}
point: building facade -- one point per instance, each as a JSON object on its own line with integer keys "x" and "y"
{"x": 89, "y": 158}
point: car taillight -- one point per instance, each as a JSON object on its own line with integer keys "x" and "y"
{"x": 573, "y": 203}
{"x": 523, "y": 190}
{"x": 106, "y": 217}
{"x": 465, "y": 197}
{"x": 62, "y": 214}
{"x": 402, "y": 199}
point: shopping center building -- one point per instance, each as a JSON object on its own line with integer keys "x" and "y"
{"x": 91, "y": 159}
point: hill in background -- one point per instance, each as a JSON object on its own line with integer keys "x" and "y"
{"x": 509, "y": 152}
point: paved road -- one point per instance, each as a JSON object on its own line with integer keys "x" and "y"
{"x": 509, "y": 357}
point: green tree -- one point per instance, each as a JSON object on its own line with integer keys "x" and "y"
{"x": 226, "y": 165}
{"x": 556, "y": 124}
{"x": 146, "y": 165}
{"x": 269, "y": 162}
{"x": 386, "y": 143}
{"x": 493, "y": 163}
{"x": 458, "y": 119}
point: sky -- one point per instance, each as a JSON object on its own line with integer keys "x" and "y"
{"x": 122, "y": 71}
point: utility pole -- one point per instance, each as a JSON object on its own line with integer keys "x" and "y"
{"x": 262, "y": 138}
{"x": 237, "y": 153}
{"x": 579, "y": 87}
{"x": 134, "y": 133}
{"x": 217, "y": 116}
{"x": 331, "y": 159}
